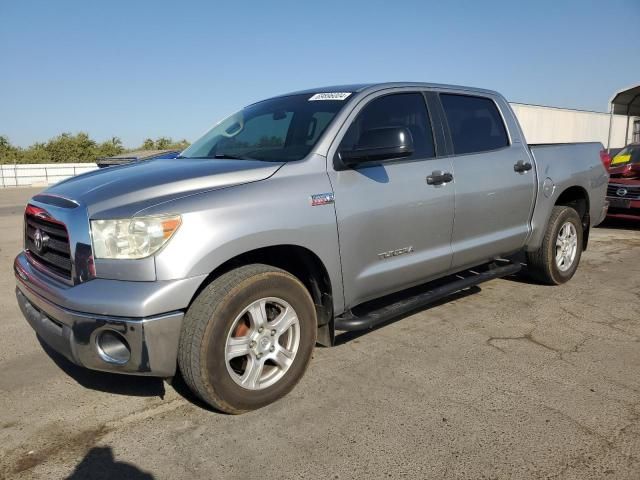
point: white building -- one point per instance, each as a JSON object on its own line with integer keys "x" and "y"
{"x": 563, "y": 125}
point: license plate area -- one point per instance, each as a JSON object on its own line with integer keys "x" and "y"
{"x": 619, "y": 203}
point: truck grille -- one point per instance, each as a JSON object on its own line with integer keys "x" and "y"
{"x": 631, "y": 192}
{"x": 47, "y": 241}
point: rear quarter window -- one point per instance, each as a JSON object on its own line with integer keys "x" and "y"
{"x": 475, "y": 123}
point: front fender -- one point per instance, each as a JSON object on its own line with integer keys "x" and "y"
{"x": 220, "y": 225}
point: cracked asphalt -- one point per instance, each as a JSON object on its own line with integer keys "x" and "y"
{"x": 508, "y": 380}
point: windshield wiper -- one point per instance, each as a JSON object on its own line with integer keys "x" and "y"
{"x": 226, "y": 156}
{"x": 231, "y": 157}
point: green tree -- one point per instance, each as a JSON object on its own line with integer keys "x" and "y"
{"x": 110, "y": 148}
{"x": 71, "y": 148}
{"x": 181, "y": 145}
{"x": 163, "y": 143}
{"x": 148, "y": 144}
{"x": 8, "y": 153}
{"x": 79, "y": 147}
{"x": 36, "y": 153}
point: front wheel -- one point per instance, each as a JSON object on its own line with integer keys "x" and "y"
{"x": 557, "y": 259}
{"x": 247, "y": 338}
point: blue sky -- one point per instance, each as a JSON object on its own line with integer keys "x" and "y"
{"x": 138, "y": 69}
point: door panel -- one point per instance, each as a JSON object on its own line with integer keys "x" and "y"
{"x": 494, "y": 181}
{"x": 394, "y": 228}
{"x": 493, "y": 205}
{"x": 387, "y": 208}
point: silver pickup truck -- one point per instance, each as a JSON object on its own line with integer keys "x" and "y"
{"x": 326, "y": 210}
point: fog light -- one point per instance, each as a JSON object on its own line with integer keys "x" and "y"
{"x": 113, "y": 348}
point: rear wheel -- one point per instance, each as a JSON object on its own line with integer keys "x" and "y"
{"x": 247, "y": 338}
{"x": 557, "y": 259}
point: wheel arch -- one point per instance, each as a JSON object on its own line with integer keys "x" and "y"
{"x": 577, "y": 198}
{"x": 299, "y": 261}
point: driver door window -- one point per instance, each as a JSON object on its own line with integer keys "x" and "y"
{"x": 398, "y": 110}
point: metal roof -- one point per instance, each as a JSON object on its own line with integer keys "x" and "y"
{"x": 627, "y": 101}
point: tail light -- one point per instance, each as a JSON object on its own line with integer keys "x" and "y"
{"x": 605, "y": 158}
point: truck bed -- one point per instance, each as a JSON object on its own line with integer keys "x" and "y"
{"x": 563, "y": 165}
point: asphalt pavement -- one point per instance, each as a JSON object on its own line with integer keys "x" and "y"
{"x": 509, "y": 380}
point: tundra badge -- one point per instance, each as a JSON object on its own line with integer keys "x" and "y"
{"x": 395, "y": 253}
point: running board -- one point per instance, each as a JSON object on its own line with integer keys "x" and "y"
{"x": 350, "y": 321}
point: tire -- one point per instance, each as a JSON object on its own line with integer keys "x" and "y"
{"x": 265, "y": 372}
{"x": 542, "y": 263}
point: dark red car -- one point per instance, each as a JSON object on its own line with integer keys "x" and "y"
{"x": 623, "y": 192}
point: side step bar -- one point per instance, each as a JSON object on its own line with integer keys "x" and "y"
{"x": 369, "y": 318}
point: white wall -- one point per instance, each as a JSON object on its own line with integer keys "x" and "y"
{"x": 41, "y": 173}
{"x": 559, "y": 125}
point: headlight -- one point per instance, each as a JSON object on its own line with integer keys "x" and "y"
{"x": 133, "y": 237}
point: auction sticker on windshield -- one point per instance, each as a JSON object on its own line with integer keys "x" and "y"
{"x": 330, "y": 96}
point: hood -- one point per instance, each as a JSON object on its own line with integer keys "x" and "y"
{"x": 127, "y": 189}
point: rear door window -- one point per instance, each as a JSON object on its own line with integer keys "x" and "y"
{"x": 475, "y": 123}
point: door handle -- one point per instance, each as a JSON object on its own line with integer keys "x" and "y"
{"x": 521, "y": 166}
{"x": 438, "y": 178}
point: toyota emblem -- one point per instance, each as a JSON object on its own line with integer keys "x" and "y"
{"x": 40, "y": 240}
{"x": 621, "y": 192}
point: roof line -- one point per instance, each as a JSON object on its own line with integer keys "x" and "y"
{"x": 559, "y": 108}
{"x": 369, "y": 87}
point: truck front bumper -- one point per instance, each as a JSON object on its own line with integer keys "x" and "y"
{"x": 140, "y": 345}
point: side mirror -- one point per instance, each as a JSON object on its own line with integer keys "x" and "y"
{"x": 379, "y": 144}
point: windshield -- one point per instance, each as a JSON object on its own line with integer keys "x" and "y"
{"x": 281, "y": 129}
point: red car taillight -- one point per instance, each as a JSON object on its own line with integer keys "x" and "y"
{"x": 605, "y": 158}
